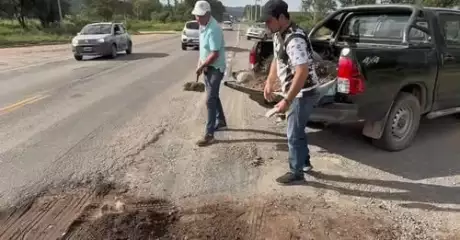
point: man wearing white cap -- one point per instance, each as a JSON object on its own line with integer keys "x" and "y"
{"x": 212, "y": 63}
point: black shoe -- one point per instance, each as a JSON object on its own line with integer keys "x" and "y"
{"x": 221, "y": 126}
{"x": 205, "y": 141}
{"x": 290, "y": 178}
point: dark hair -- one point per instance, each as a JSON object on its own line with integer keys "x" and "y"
{"x": 278, "y": 14}
{"x": 275, "y": 8}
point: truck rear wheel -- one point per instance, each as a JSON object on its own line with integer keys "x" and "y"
{"x": 402, "y": 124}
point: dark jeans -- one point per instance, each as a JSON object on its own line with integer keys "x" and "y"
{"x": 297, "y": 118}
{"x": 212, "y": 79}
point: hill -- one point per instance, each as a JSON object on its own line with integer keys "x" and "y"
{"x": 237, "y": 12}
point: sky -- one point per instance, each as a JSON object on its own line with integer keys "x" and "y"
{"x": 294, "y": 5}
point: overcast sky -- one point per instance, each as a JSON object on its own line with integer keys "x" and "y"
{"x": 294, "y": 5}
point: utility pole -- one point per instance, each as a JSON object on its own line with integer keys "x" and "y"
{"x": 255, "y": 14}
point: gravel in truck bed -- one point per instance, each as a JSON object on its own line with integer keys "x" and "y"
{"x": 326, "y": 71}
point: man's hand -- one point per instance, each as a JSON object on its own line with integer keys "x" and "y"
{"x": 199, "y": 70}
{"x": 268, "y": 91}
{"x": 282, "y": 106}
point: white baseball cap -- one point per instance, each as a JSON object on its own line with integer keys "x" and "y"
{"x": 201, "y": 8}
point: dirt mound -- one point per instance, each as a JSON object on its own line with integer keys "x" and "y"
{"x": 124, "y": 220}
{"x": 325, "y": 70}
{"x": 292, "y": 218}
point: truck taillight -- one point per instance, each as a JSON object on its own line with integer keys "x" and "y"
{"x": 349, "y": 79}
{"x": 252, "y": 58}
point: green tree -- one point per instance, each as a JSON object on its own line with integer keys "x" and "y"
{"x": 345, "y": 3}
{"x": 318, "y": 8}
{"x": 105, "y": 9}
{"x": 47, "y": 11}
{"x": 441, "y": 3}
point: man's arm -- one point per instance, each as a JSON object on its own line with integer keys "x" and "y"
{"x": 273, "y": 73}
{"x": 300, "y": 59}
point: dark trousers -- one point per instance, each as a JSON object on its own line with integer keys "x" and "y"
{"x": 297, "y": 118}
{"x": 212, "y": 79}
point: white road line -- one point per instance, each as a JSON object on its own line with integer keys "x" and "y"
{"x": 231, "y": 55}
{"x": 238, "y": 35}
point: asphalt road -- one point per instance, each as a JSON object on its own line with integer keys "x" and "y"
{"x": 54, "y": 117}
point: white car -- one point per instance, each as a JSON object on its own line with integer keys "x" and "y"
{"x": 258, "y": 31}
{"x": 227, "y": 25}
{"x": 190, "y": 35}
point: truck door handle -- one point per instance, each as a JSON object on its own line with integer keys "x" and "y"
{"x": 448, "y": 57}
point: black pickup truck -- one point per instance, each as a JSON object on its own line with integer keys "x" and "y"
{"x": 395, "y": 65}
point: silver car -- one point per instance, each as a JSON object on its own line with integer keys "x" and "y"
{"x": 227, "y": 26}
{"x": 258, "y": 31}
{"x": 101, "y": 39}
{"x": 190, "y": 35}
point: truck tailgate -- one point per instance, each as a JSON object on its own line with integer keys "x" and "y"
{"x": 386, "y": 71}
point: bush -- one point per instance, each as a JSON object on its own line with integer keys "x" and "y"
{"x": 12, "y": 34}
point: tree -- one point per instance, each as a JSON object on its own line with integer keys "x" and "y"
{"x": 17, "y": 9}
{"x": 252, "y": 11}
{"x": 102, "y": 8}
{"x": 319, "y": 8}
{"x": 142, "y": 9}
{"x": 441, "y": 3}
{"x": 47, "y": 11}
{"x": 428, "y": 3}
{"x": 345, "y": 3}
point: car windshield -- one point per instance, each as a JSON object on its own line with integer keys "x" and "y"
{"x": 192, "y": 25}
{"x": 259, "y": 25}
{"x": 97, "y": 29}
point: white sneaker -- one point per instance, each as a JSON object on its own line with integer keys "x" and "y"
{"x": 307, "y": 169}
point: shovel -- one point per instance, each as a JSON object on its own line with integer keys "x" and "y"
{"x": 194, "y": 86}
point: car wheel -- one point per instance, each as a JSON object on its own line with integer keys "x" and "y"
{"x": 248, "y": 38}
{"x": 402, "y": 124}
{"x": 129, "y": 50}
{"x": 114, "y": 52}
{"x": 184, "y": 47}
{"x": 78, "y": 57}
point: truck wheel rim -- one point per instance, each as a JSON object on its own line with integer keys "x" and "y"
{"x": 402, "y": 122}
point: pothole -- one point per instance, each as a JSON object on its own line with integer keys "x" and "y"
{"x": 85, "y": 215}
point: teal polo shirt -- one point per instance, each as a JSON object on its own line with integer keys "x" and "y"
{"x": 212, "y": 39}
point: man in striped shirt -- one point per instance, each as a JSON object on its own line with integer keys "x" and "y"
{"x": 293, "y": 65}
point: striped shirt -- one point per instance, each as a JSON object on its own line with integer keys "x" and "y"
{"x": 296, "y": 51}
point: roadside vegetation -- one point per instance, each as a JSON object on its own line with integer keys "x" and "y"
{"x": 35, "y": 22}
{"x": 313, "y": 11}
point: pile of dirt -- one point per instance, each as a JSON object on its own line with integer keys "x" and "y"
{"x": 258, "y": 82}
{"x": 291, "y": 218}
{"x": 124, "y": 220}
{"x": 325, "y": 70}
